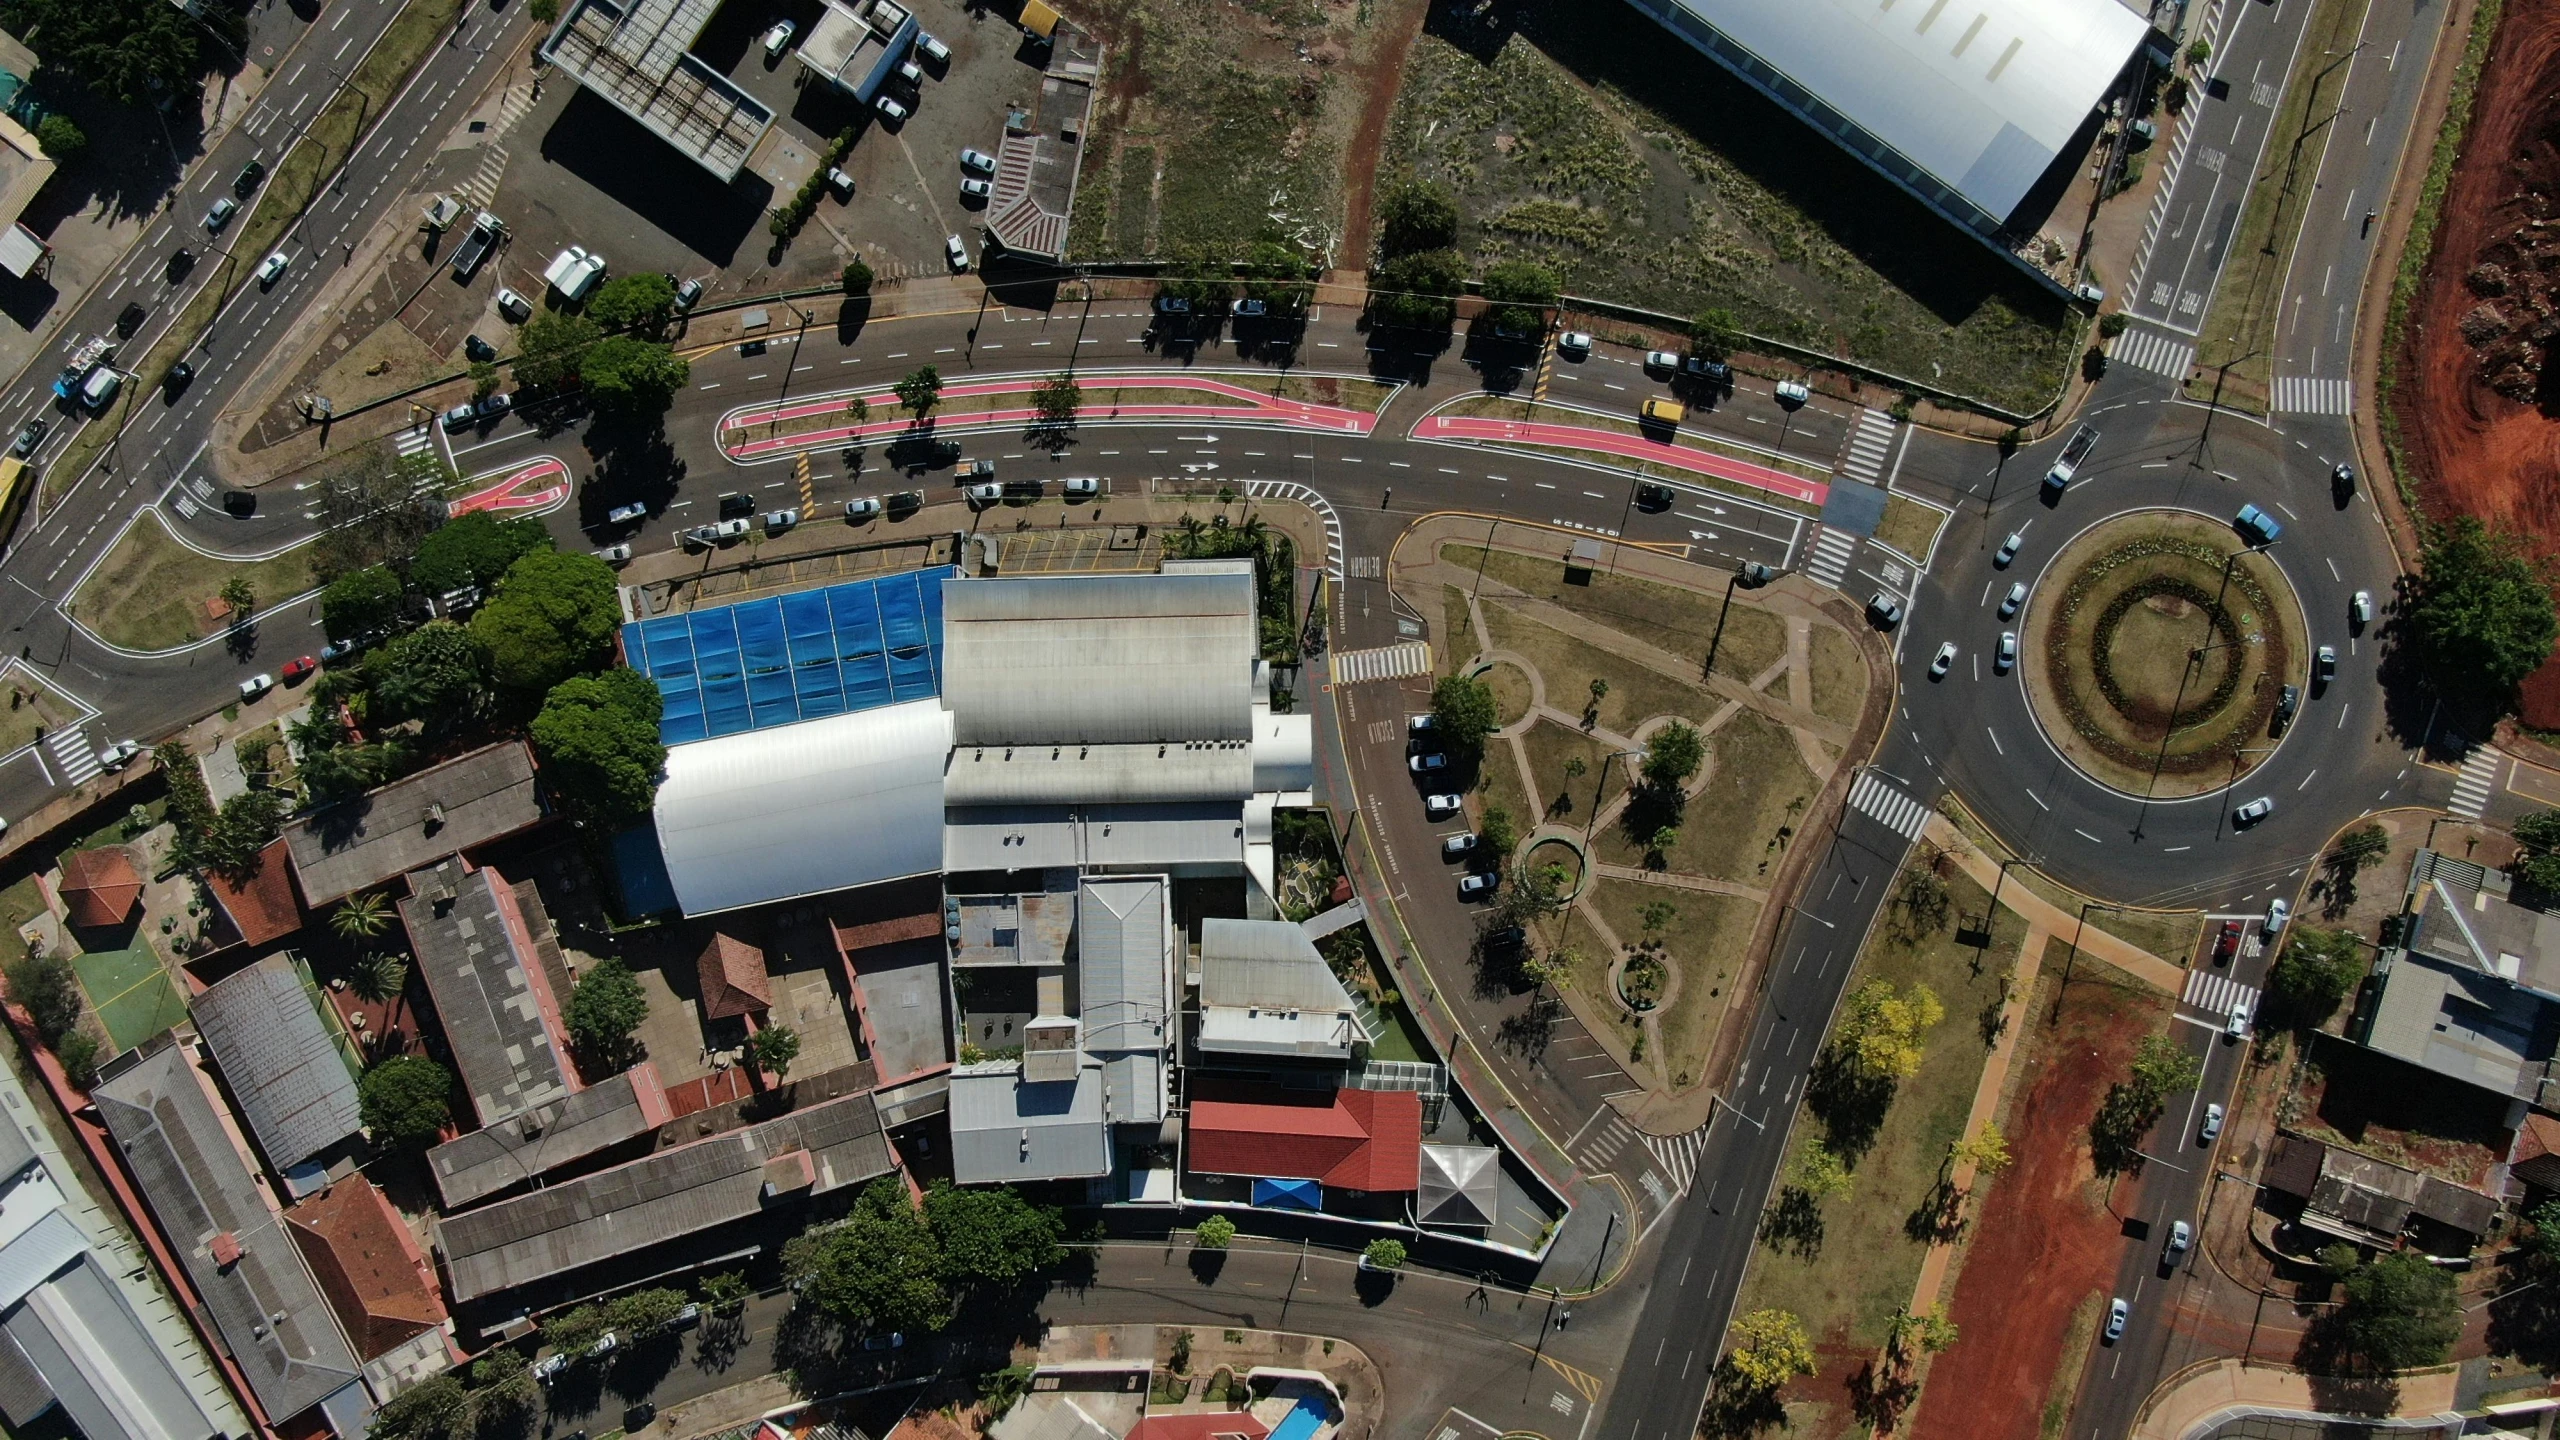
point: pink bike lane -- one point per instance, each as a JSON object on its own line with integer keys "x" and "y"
{"x": 1257, "y": 409}
{"x": 1632, "y": 447}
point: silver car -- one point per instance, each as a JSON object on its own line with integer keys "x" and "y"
{"x": 2016, "y": 597}
{"x": 2253, "y": 812}
{"x": 978, "y": 160}
{"x": 987, "y": 494}
{"x": 975, "y": 188}
{"x": 857, "y": 511}
{"x": 2008, "y": 653}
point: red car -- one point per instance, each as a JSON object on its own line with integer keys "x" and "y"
{"x": 2227, "y": 944}
{"x": 297, "y": 671}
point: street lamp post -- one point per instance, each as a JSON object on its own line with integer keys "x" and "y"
{"x": 2195, "y": 657}
{"x": 1601, "y": 789}
{"x": 1751, "y": 573}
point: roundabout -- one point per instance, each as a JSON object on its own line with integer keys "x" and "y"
{"x": 2156, "y": 652}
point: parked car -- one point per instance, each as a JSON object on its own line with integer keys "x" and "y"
{"x": 29, "y": 438}
{"x": 985, "y": 494}
{"x": 1437, "y": 806}
{"x": 2257, "y": 526}
{"x": 2324, "y": 665}
{"x": 1418, "y": 726}
{"x": 1573, "y": 345}
{"x": 2227, "y": 943}
{"x": 912, "y": 73}
{"x": 685, "y": 1318}
{"x": 2117, "y": 1313}
{"x": 2253, "y": 812}
{"x": 1427, "y": 762}
{"x": 890, "y": 107}
{"x": 978, "y": 160}
{"x": 2016, "y": 597}
{"x": 615, "y": 554}
{"x": 299, "y": 668}
{"x": 2279, "y": 910}
{"x": 956, "y": 253}
{"x": 1083, "y": 487}
{"x": 1792, "y": 393}
{"x": 2008, "y": 653}
{"x": 1706, "y": 371}
{"x": 2181, "y": 1235}
{"x": 2360, "y": 609}
{"x": 462, "y": 416}
{"x": 605, "y": 1344}
{"x": 548, "y": 1368}
{"x": 516, "y": 308}
{"x": 1946, "y": 657}
{"x": 932, "y": 49}
{"x": 1662, "y": 362}
{"x": 729, "y": 529}
{"x": 702, "y": 537}
{"x": 1884, "y": 610}
{"x": 1460, "y": 844}
{"x": 976, "y": 189}
{"x": 629, "y": 514}
{"x": 2008, "y": 551}
{"x": 119, "y": 755}
{"x": 777, "y": 521}
{"x": 778, "y": 39}
{"x": 839, "y": 182}
{"x": 256, "y": 685}
{"x": 337, "y": 650}
{"x": 271, "y": 269}
{"x": 891, "y": 1341}
{"x": 2237, "y": 1027}
{"x": 1249, "y": 309}
{"x": 1480, "y": 883}
{"x": 2288, "y": 700}
{"x": 688, "y": 295}
{"x": 475, "y": 247}
{"x": 858, "y": 511}
{"x": 2211, "y": 1126}
{"x": 220, "y": 215}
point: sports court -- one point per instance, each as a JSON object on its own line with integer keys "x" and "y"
{"x": 131, "y": 992}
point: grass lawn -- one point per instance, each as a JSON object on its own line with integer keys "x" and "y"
{"x": 20, "y": 903}
{"x": 1561, "y": 797}
{"x": 1511, "y": 692}
{"x": 1587, "y": 977}
{"x": 1910, "y": 526}
{"x": 33, "y": 706}
{"x": 150, "y": 591}
{"x": 1705, "y": 942}
{"x": 1569, "y": 665}
{"x": 1457, "y": 637}
{"x": 1849, "y": 1274}
{"x": 2169, "y": 934}
{"x": 1400, "y": 1038}
{"x": 1584, "y": 137}
{"x": 1677, "y": 620}
{"x": 1758, "y": 786}
{"x": 1348, "y": 391}
{"x": 1839, "y": 676}
{"x": 1498, "y": 785}
{"x": 113, "y": 831}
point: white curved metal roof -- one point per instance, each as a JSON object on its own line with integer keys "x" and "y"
{"x": 1981, "y": 94}
{"x": 1100, "y": 659}
{"x": 804, "y": 809}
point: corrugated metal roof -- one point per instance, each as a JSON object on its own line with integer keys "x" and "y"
{"x": 2473, "y": 1027}
{"x": 1156, "y": 772}
{"x": 805, "y": 809}
{"x": 470, "y": 1168}
{"x": 489, "y": 990}
{"x": 781, "y": 659}
{"x": 443, "y": 810}
{"x": 1266, "y": 990}
{"x": 279, "y": 1059}
{"x": 1004, "y": 1129}
{"x": 1111, "y": 659}
{"x": 1983, "y": 94}
{"x": 1122, "y": 970}
{"x": 1034, "y": 837}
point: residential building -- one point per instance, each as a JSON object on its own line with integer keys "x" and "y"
{"x": 262, "y": 906}
{"x": 369, "y": 840}
{"x": 294, "y": 1083}
{"x": 2472, "y": 991}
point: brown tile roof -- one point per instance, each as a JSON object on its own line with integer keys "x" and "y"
{"x": 367, "y": 1264}
{"x": 1362, "y": 1140}
{"x": 100, "y": 886}
{"x": 896, "y": 931}
{"x": 264, "y": 906}
{"x": 733, "y": 978}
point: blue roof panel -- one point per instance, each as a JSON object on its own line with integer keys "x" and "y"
{"x": 785, "y": 658}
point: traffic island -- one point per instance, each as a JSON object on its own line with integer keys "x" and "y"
{"x": 2156, "y": 650}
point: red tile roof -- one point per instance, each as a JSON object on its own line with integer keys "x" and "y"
{"x": 262, "y": 907}
{"x": 1207, "y": 1426}
{"x": 733, "y": 978}
{"x": 1359, "y": 1140}
{"x": 367, "y": 1263}
{"x": 100, "y": 887}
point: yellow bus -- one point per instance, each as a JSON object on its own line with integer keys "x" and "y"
{"x": 17, "y": 482}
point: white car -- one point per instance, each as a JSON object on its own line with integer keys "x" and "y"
{"x": 932, "y": 49}
{"x": 1436, "y": 806}
{"x": 2278, "y": 912}
{"x": 857, "y": 511}
{"x": 778, "y": 39}
{"x": 1462, "y": 843}
{"x": 1417, "y": 725}
{"x": 2008, "y": 551}
{"x": 777, "y": 521}
{"x": 1427, "y": 763}
{"x": 2180, "y": 1237}
{"x": 1083, "y": 488}
{"x": 1792, "y": 393}
{"x": 548, "y": 1368}
{"x": 119, "y": 755}
{"x": 606, "y": 1344}
{"x": 956, "y": 253}
{"x": 462, "y": 417}
{"x": 271, "y": 269}
{"x": 2360, "y": 608}
{"x": 2211, "y": 1126}
{"x": 912, "y": 73}
{"x": 889, "y": 106}
{"x": 1483, "y": 883}
{"x": 986, "y": 494}
{"x": 2016, "y": 597}
{"x": 728, "y": 529}
{"x": 514, "y": 306}
{"x": 2253, "y": 812}
{"x": 1665, "y": 361}
{"x": 978, "y": 160}
{"x": 615, "y": 554}
{"x": 2008, "y": 653}
{"x": 1946, "y": 658}
{"x": 626, "y": 514}
{"x": 1573, "y": 344}
{"x": 2237, "y": 1027}
{"x": 2117, "y": 1313}
{"x": 976, "y": 189}
{"x": 257, "y": 685}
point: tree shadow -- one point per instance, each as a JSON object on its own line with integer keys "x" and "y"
{"x": 1939, "y": 1217}
{"x": 1793, "y": 1222}
{"x": 1736, "y": 1412}
{"x": 1373, "y": 1286}
{"x": 2524, "y": 1322}
{"x": 1879, "y": 1396}
{"x": 1207, "y": 1265}
{"x": 1850, "y": 1104}
{"x": 717, "y": 1345}
{"x": 1527, "y": 1032}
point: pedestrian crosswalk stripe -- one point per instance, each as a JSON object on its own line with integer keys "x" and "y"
{"x": 1870, "y": 441}
{"x": 1604, "y": 1146}
{"x": 2312, "y": 395}
{"x": 1313, "y": 500}
{"x": 2477, "y": 782}
{"x": 1828, "y": 561}
{"x": 1387, "y": 662}
{"x": 1678, "y": 1155}
{"x": 73, "y": 752}
{"x": 2216, "y": 993}
{"x": 2150, "y": 350}
{"x": 1898, "y": 812}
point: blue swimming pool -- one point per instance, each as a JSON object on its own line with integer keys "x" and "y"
{"x": 1301, "y": 1422}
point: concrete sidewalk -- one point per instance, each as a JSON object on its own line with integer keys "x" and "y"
{"x": 2196, "y": 1397}
{"x": 2052, "y": 919}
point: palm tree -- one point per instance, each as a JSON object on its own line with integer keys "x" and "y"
{"x": 361, "y": 916}
{"x": 377, "y": 977}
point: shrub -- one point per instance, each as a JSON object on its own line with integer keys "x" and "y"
{"x": 1215, "y": 1233}
{"x": 45, "y": 987}
{"x": 1384, "y": 1254}
{"x": 59, "y": 137}
{"x": 857, "y": 277}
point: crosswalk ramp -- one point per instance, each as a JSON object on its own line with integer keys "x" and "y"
{"x": 73, "y": 755}
{"x": 1870, "y": 445}
{"x": 1889, "y": 807}
{"x": 2215, "y": 993}
{"x": 482, "y": 187}
{"x": 2313, "y": 395}
{"x": 2151, "y": 350}
{"x": 2477, "y": 781}
{"x": 1309, "y": 497}
{"x": 1828, "y": 561}
{"x": 1387, "y": 662}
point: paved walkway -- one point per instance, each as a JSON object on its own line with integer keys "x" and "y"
{"x": 2216, "y": 1389}
{"x": 2043, "y": 914}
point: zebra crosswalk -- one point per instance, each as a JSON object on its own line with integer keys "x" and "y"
{"x": 2477, "y": 782}
{"x": 1304, "y": 495}
{"x": 1828, "y": 560}
{"x": 1678, "y": 1155}
{"x": 1870, "y": 444}
{"x": 2312, "y": 395}
{"x": 1674, "y": 1157}
{"x": 2216, "y": 993}
{"x": 73, "y": 754}
{"x": 415, "y": 439}
{"x": 482, "y": 187}
{"x": 1387, "y": 662}
{"x": 2150, "y": 350}
{"x": 1896, "y": 811}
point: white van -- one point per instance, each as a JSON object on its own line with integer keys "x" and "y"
{"x": 574, "y": 272}
{"x": 99, "y": 390}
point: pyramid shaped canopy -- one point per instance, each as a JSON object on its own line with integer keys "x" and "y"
{"x": 99, "y": 886}
{"x": 1458, "y": 1185}
{"x": 733, "y": 979}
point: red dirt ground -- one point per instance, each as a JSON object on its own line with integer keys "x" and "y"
{"x": 2044, "y": 1239}
{"x": 2475, "y": 451}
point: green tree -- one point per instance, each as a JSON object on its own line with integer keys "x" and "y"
{"x": 45, "y": 986}
{"x": 502, "y": 1388}
{"x": 573, "y": 1331}
{"x": 2400, "y": 1312}
{"x": 60, "y": 138}
{"x": 405, "y": 1100}
{"x": 1498, "y": 833}
{"x": 544, "y": 12}
{"x": 1929, "y": 1334}
{"x": 552, "y": 348}
{"x": 1770, "y": 1348}
{"x": 2538, "y": 851}
{"x": 78, "y": 1052}
{"x": 437, "y": 673}
{"x": 432, "y": 1409}
{"x": 1520, "y": 293}
{"x": 377, "y": 507}
{"x": 241, "y": 596}
{"x": 2316, "y": 973}
{"x": 725, "y": 1290}
{"x": 642, "y": 303}
{"x": 1673, "y": 754}
{"x": 920, "y": 390}
{"x": 1714, "y": 335}
{"x": 1416, "y": 215}
{"x": 878, "y": 1268}
{"x": 246, "y": 824}
{"x": 2482, "y": 616}
{"x": 484, "y": 379}
{"x": 2360, "y": 849}
{"x": 1818, "y": 1172}
{"x": 134, "y": 52}
{"x": 1278, "y": 277}
{"x": 1879, "y": 1032}
{"x": 1987, "y": 1148}
{"x": 644, "y": 1312}
{"x": 1215, "y": 1233}
{"x": 597, "y": 739}
{"x": 1462, "y": 712}
{"x": 631, "y": 376}
{"x": 606, "y": 1008}
{"x": 1418, "y": 291}
{"x": 359, "y": 602}
{"x": 857, "y": 410}
{"x": 1056, "y": 402}
{"x": 1383, "y": 1255}
{"x": 857, "y": 277}
{"x": 376, "y": 977}
{"x": 2163, "y": 1069}
{"x": 554, "y": 615}
{"x": 364, "y": 915}
{"x": 774, "y": 1048}
{"x": 475, "y": 549}
{"x": 2132, "y": 1104}
{"x": 991, "y": 1236}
